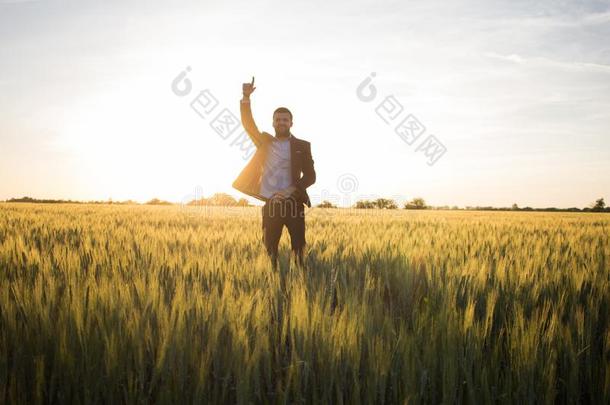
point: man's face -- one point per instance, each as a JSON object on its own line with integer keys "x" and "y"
{"x": 282, "y": 123}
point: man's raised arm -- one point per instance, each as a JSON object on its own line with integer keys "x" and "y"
{"x": 246, "y": 114}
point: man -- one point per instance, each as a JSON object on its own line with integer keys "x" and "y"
{"x": 278, "y": 174}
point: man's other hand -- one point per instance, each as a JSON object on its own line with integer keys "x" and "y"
{"x": 285, "y": 193}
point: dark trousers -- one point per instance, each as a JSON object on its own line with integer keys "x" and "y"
{"x": 276, "y": 214}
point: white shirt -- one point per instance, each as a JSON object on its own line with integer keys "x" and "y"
{"x": 276, "y": 171}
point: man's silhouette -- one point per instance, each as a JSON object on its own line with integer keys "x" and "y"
{"x": 273, "y": 175}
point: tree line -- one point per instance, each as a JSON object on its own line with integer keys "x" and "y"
{"x": 218, "y": 199}
{"x": 418, "y": 203}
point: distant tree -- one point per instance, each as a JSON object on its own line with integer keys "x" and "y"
{"x": 222, "y": 199}
{"x": 326, "y": 204}
{"x": 416, "y": 204}
{"x": 156, "y": 201}
{"x": 515, "y": 207}
{"x": 385, "y": 203}
{"x": 200, "y": 201}
{"x": 599, "y": 205}
{"x": 22, "y": 199}
{"x": 243, "y": 203}
{"x": 44, "y": 200}
{"x": 365, "y": 204}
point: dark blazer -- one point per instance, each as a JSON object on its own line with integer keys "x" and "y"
{"x": 249, "y": 180}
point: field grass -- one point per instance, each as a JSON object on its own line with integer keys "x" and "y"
{"x": 139, "y": 304}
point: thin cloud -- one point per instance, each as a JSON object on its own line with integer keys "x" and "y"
{"x": 548, "y": 62}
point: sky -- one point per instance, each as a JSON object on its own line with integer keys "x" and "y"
{"x": 511, "y": 98}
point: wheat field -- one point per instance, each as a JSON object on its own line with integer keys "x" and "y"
{"x": 145, "y": 304}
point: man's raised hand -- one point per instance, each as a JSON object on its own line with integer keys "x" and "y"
{"x": 248, "y": 88}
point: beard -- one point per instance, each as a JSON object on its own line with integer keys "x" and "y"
{"x": 282, "y": 132}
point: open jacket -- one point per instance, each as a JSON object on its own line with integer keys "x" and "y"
{"x": 301, "y": 162}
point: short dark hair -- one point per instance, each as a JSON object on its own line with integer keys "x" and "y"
{"x": 282, "y": 110}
